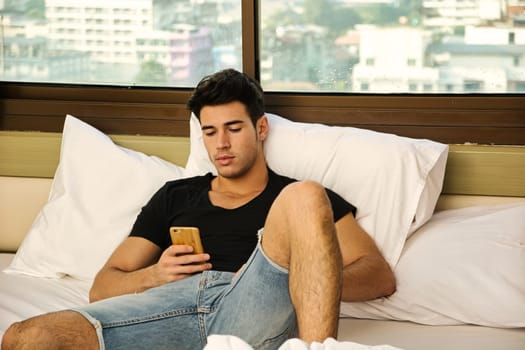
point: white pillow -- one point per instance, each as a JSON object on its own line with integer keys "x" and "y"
{"x": 463, "y": 266}
{"x": 96, "y": 194}
{"x": 393, "y": 181}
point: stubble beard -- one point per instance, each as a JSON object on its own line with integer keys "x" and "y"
{"x": 232, "y": 173}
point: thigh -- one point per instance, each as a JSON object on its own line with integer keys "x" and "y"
{"x": 257, "y": 306}
{"x": 163, "y": 317}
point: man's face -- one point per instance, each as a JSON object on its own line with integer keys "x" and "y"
{"x": 230, "y": 138}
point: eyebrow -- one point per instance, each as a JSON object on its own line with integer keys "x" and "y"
{"x": 228, "y": 123}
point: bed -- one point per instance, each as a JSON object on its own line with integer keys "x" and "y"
{"x": 461, "y": 204}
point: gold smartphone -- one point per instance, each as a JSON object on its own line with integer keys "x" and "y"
{"x": 187, "y": 236}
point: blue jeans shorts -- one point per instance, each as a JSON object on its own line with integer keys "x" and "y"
{"x": 254, "y": 305}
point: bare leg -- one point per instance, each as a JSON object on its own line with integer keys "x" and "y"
{"x": 58, "y": 330}
{"x": 300, "y": 235}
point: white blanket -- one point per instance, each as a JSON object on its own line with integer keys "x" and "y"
{"x": 230, "y": 342}
{"x": 22, "y": 297}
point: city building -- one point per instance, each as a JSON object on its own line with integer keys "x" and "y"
{"x": 392, "y": 59}
{"x": 118, "y": 36}
{"x": 105, "y": 29}
{"x": 191, "y": 56}
{"x": 301, "y": 54}
{"x": 488, "y": 58}
{"x": 28, "y": 59}
{"x": 452, "y": 14}
{"x": 185, "y": 52}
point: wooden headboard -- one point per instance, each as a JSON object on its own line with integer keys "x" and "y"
{"x": 471, "y": 169}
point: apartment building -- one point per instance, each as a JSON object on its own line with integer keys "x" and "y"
{"x": 393, "y": 59}
{"x": 28, "y": 59}
{"x": 106, "y": 29}
{"x": 25, "y": 54}
{"x": 489, "y": 58}
{"x": 185, "y": 51}
{"x": 120, "y": 35}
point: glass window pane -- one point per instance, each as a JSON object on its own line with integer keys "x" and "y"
{"x": 393, "y": 46}
{"x": 118, "y": 42}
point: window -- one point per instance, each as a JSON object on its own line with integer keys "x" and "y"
{"x": 102, "y": 28}
{"x": 326, "y": 80}
{"x": 387, "y": 41}
{"x": 307, "y": 45}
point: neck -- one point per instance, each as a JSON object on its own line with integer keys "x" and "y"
{"x": 254, "y": 180}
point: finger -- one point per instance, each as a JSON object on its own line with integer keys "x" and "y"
{"x": 192, "y": 259}
{"x": 193, "y": 268}
{"x": 179, "y": 249}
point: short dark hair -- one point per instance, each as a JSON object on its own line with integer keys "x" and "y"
{"x": 227, "y": 86}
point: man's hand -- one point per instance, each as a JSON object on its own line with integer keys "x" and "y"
{"x": 177, "y": 262}
{"x": 138, "y": 264}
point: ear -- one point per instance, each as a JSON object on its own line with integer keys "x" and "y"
{"x": 262, "y": 127}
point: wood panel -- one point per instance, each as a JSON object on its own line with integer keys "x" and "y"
{"x": 490, "y": 119}
{"x": 485, "y": 170}
{"x": 36, "y": 154}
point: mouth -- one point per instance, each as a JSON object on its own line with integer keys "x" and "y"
{"x": 224, "y": 159}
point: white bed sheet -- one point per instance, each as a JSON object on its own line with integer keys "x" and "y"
{"x": 22, "y": 297}
{"x": 412, "y": 336}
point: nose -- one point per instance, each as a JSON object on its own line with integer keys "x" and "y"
{"x": 223, "y": 140}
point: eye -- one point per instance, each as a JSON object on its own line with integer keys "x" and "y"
{"x": 235, "y": 129}
{"x": 209, "y": 132}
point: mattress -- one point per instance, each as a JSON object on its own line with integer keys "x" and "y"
{"x": 22, "y": 297}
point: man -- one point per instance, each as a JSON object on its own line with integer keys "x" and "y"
{"x": 151, "y": 294}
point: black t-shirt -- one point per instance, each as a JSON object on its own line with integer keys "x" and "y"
{"x": 228, "y": 235}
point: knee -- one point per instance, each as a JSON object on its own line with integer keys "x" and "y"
{"x": 10, "y": 337}
{"x": 19, "y": 335}
{"x": 309, "y": 196}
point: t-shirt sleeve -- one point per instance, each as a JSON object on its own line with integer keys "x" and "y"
{"x": 151, "y": 222}
{"x": 340, "y": 206}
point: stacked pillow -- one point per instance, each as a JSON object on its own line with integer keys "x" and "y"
{"x": 97, "y": 192}
{"x": 100, "y": 187}
{"x": 463, "y": 266}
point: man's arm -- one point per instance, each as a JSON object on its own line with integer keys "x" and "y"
{"x": 366, "y": 274}
{"x": 138, "y": 264}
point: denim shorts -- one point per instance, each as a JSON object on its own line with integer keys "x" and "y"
{"x": 255, "y": 305}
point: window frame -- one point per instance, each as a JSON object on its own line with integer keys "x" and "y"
{"x": 449, "y": 118}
